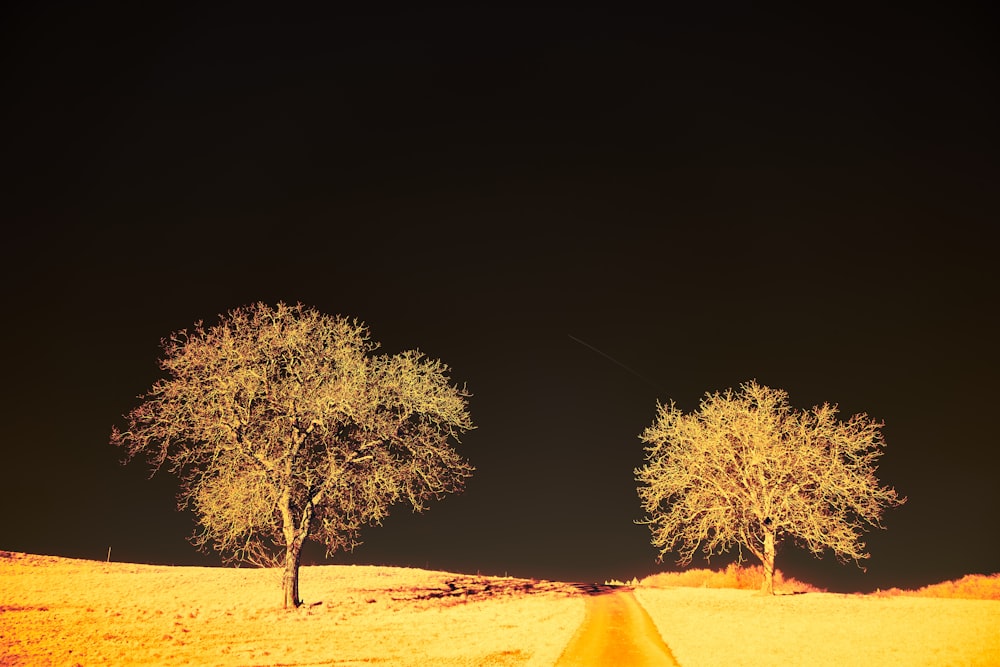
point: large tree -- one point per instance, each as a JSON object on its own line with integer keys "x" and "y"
{"x": 747, "y": 469}
{"x": 284, "y": 425}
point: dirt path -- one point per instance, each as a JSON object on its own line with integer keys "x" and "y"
{"x": 616, "y": 631}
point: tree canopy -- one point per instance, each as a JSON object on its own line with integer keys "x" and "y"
{"x": 283, "y": 425}
{"x": 747, "y": 469}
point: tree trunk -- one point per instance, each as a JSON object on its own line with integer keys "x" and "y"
{"x": 290, "y": 581}
{"x": 767, "y": 586}
{"x": 295, "y": 536}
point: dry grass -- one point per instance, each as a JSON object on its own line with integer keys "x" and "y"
{"x": 720, "y": 617}
{"x": 747, "y": 578}
{"x": 969, "y": 587}
{"x": 56, "y": 611}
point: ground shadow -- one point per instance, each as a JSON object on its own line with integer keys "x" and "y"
{"x": 468, "y": 588}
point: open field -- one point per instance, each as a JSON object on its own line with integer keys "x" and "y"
{"x": 56, "y": 611}
{"x": 735, "y": 627}
{"x": 719, "y": 617}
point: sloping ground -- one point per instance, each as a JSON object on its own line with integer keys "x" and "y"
{"x": 57, "y": 611}
{"x": 709, "y": 627}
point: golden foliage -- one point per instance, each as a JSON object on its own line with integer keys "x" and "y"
{"x": 969, "y": 587}
{"x": 740, "y": 577}
{"x": 732, "y": 576}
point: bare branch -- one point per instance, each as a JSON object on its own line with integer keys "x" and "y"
{"x": 747, "y": 469}
{"x": 284, "y": 426}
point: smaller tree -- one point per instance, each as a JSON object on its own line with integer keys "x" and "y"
{"x": 748, "y": 470}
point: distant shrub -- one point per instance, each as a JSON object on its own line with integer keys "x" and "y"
{"x": 733, "y": 576}
{"x": 969, "y": 587}
{"x": 618, "y": 582}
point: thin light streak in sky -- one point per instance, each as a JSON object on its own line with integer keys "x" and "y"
{"x": 615, "y": 361}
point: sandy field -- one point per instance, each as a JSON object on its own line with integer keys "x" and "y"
{"x": 56, "y": 611}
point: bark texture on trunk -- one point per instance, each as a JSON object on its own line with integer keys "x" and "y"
{"x": 767, "y": 586}
{"x": 290, "y": 581}
{"x": 295, "y": 534}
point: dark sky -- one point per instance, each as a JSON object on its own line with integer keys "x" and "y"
{"x": 580, "y": 211}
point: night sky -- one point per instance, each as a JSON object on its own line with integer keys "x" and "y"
{"x": 581, "y": 212}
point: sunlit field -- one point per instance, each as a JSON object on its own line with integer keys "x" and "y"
{"x": 714, "y": 618}
{"x": 56, "y": 611}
